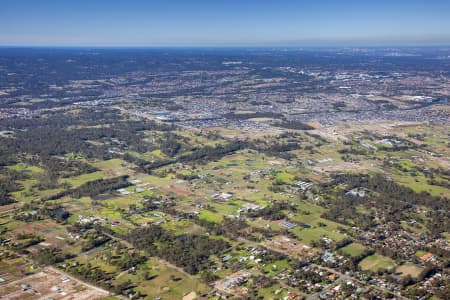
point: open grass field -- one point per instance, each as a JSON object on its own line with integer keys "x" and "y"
{"x": 354, "y": 249}
{"x": 122, "y": 202}
{"x": 183, "y": 227}
{"x": 275, "y": 292}
{"x": 419, "y": 184}
{"x": 25, "y": 168}
{"x": 376, "y": 262}
{"x": 310, "y": 235}
{"x": 276, "y": 267}
{"x": 409, "y": 269}
{"x": 310, "y": 215}
{"x": 79, "y": 180}
{"x": 114, "y": 167}
{"x": 210, "y": 216}
{"x": 29, "y": 191}
{"x": 166, "y": 282}
{"x": 285, "y": 177}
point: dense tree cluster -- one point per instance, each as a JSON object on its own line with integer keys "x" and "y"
{"x": 275, "y": 148}
{"x": 189, "y": 251}
{"x": 391, "y": 199}
{"x": 294, "y": 125}
{"x": 49, "y": 256}
{"x": 273, "y": 212}
{"x": 8, "y": 184}
{"x": 231, "y": 228}
{"x": 212, "y": 153}
{"x": 62, "y": 134}
{"x": 91, "y": 274}
{"x": 122, "y": 257}
{"x": 25, "y": 240}
{"x": 170, "y": 145}
{"x": 93, "y": 239}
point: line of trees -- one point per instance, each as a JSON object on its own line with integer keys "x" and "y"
{"x": 94, "y": 188}
{"x": 295, "y": 125}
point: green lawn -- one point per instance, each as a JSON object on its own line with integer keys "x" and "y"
{"x": 31, "y": 169}
{"x": 79, "y": 180}
{"x": 210, "y": 216}
{"x": 285, "y": 177}
{"x": 354, "y": 249}
{"x": 182, "y": 227}
{"x": 376, "y": 262}
{"x": 276, "y": 267}
{"x": 308, "y": 235}
{"x": 420, "y": 253}
{"x": 310, "y": 214}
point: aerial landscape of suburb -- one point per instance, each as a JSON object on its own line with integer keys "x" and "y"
{"x": 221, "y": 171}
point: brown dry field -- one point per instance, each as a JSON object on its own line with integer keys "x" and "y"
{"x": 179, "y": 189}
{"x": 344, "y": 166}
{"x": 442, "y": 161}
{"x": 5, "y": 209}
{"x": 409, "y": 269}
{"x": 53, "y": 232}
{"x": 38, "y": 228}
{"x": 344, "y": 130}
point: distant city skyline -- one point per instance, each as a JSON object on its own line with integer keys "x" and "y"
{"x": 224, "y": 23}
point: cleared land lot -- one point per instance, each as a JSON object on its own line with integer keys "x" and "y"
{"x": 50, "y": 284}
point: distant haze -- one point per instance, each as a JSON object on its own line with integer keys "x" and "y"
{"x": 224, "y": 22}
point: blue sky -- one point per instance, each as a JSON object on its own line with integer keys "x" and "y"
{"x": 224, "y": 22}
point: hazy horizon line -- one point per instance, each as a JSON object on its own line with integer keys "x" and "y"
{"x": 232, "y": 45}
